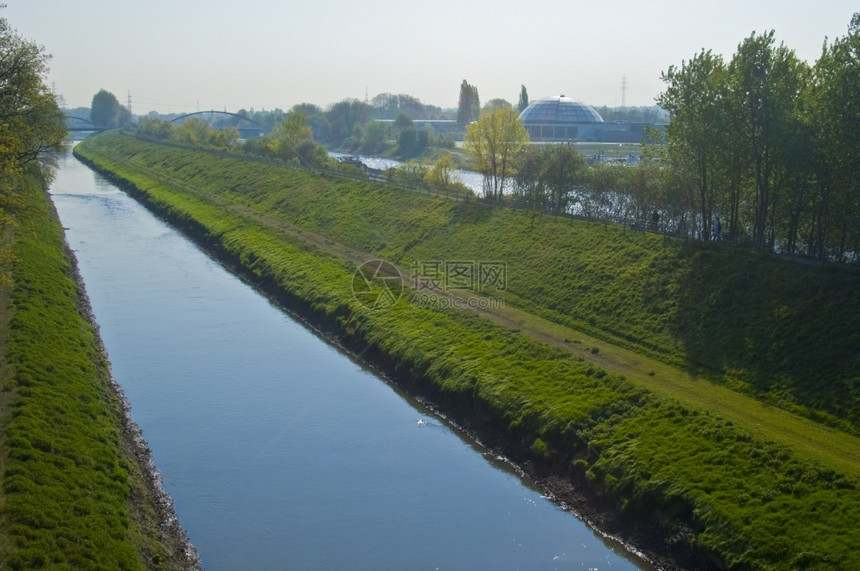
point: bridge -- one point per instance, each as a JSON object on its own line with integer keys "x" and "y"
{"x": 254, "y": 128}
{"x": 90, "y": 126}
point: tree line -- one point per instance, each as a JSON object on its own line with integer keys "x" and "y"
{"x": 290, "y": 141}
{"x": 761, "y": 149}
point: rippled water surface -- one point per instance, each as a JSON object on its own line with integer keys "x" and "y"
{"x": 279, "y": 451}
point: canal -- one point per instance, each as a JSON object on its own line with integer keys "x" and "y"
{"x": 278, "y": 450}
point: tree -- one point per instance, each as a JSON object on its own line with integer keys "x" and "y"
{"x": 290, "y": 137}
{"x": 388, "y": 105}
{"x": 496, "y": 104}
{"x": 403, "y": 122}
{"x": 375, "y": 137}
{"x": 407, "y": 142}
{"x": 32, "y": 127}
{"x": 469, "y": 104}
{"x": 194, "y": 132}
{"x": 528, "y": 184}
{"x": 343, "y": 117}
{"x": 156, "y": 128}
{"x": 412, "y": 142}
{"x": 443, "y": 173}
{"x": 224, "y": 139}
{"x": 411, "y": 173}
{"x": 834, "y": 221}
{"x": 548, "y": 175}
{"x": 496, "y": 140}
{"x": 524, "y": 99}
{"x": 694, "y": 99}
{"x": 106, "y": 112}
{"x": 645, "y": 188}
{"x": 602, "y": 181}
{"x": 561, "y": 174}
{"x": 307, "y": 109}
{"x": 766, "y": 86}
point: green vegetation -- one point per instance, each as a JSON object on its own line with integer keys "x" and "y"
{"x": 73, "y": 494}
{"x": 496, "y": 140}
{"x": 750, "y": 321}
{"x": 523, "y": 101}
{"x": 31, "y": 124}
{"x": 366, "y": 126}
{"x": 714, "y": 482}
{"x": 767, "y": 144}
{"x": 469, "y": 104}
{"x": 106, "y": 112}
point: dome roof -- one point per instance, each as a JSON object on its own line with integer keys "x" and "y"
{"x": 559, "y": 109}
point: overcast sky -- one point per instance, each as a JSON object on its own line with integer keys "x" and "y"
{"x": 184, "y": 55}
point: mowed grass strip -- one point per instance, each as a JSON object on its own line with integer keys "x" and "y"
{"x": 705, "y": 478}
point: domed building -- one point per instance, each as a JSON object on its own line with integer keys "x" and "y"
{"x": 560, "y": 118}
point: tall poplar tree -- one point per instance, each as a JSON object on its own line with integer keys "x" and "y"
{"x": 524, "y": 99}
{"x": 469, "y": 105}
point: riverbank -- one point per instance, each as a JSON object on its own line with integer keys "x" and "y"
{"x": 80, "y": 489}
{"x": 713, "y": 491}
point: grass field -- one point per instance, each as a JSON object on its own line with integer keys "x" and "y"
{"x": 669, "y": 375}
{"x": 73, "y": 494}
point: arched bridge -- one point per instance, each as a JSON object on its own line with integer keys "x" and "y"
{"x": 254, "y": 127}
{"x": 88, "y": 126}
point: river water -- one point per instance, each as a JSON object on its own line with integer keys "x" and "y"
{"x": 471, "y": 179}
{"x": 279, "y": 451}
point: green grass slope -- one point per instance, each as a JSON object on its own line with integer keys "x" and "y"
{"x": 73, "y": 495}
{"x": 718, "y": 493}
{"x": 784, "y": 332}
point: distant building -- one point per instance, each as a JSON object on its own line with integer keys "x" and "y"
{"x": 559, "y": 118}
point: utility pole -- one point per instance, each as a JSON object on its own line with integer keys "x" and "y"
{"x": 129, "y": 103}
{"x": 623, "y": 91}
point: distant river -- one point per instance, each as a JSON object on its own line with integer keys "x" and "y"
{"x": 471, "y": 179}
{"x": 279, "y": 451}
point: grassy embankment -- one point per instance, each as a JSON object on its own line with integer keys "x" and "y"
{"x": 681, "y": 457}
{"x": 74, "y": 495}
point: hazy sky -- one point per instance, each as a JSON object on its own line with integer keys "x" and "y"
{"x": 184, "y": 55}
